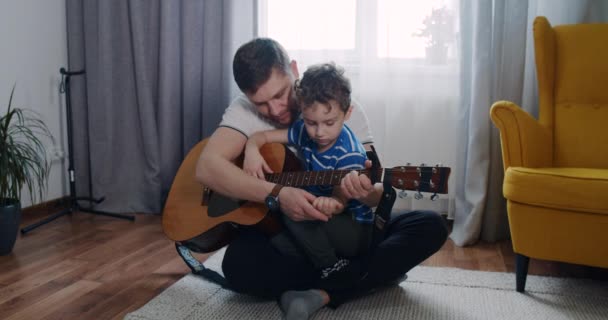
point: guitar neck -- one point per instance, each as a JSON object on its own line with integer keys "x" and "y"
{"x": 423, "y": 179}
{"x": 313, "y": 178}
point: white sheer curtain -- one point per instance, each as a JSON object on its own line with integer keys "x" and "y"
{"x": 402, "y": 60}
{"x": 427, "y": 73}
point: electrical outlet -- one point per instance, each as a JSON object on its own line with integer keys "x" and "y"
{"x": 55, "y": 153}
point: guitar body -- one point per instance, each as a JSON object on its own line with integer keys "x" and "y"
{"x": 214, "y": 224}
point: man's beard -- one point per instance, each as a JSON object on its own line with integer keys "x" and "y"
{"x": 295, "y": 113}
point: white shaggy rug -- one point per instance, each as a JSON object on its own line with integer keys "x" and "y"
{"x": 428, "y": 293}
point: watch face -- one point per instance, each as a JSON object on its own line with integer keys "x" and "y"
{"x": 271, "y": 203}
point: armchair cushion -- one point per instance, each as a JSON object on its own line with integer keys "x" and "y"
{"x": 580, "y": 137}
{"x": 573, "y": 189}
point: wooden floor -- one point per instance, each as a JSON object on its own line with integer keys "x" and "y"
{"x": 92, "y": 267}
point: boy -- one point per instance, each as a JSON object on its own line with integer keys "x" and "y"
{"x": 325, "y": 143}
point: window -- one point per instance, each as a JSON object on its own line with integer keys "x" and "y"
{"x": 301, "y": 25}
{"x": 356, "y": 30}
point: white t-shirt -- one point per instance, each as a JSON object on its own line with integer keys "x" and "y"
{"x": 242, "y": 116}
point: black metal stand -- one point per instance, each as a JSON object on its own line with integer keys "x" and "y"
{"x": 73, "y": 199}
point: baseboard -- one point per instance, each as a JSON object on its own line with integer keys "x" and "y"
{"x": 46, "y": 207}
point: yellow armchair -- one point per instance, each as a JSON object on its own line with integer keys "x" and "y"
{"x": 556, "y": 167}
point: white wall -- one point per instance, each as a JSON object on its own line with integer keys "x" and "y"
{"x": 33, "y": 46}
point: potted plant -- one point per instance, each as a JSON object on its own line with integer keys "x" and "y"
{"x": 438, "y": 31}
{"x": 23, "y": 162}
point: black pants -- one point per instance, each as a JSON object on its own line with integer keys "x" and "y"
{"x": 253, "y": 266}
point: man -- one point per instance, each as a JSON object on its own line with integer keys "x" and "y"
{"x": 266, "y": 76}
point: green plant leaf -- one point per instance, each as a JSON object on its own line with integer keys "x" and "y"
{"x": 23, "y": 158}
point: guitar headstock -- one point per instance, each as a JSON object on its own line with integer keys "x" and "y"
{"x": 419, "y": 178}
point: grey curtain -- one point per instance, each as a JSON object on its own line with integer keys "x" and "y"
{"x": 498, "y": 64}
{"x": 158, "y": 77}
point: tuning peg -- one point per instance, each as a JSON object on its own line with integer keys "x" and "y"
{"x": 434, "y": 197}
{"x": 400, "y": 182}
{"x": 436, "y": 167}
{"x": 402, "y": 194}
{"x": 418, "y": 195}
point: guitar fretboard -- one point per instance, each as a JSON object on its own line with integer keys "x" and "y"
{"x": 313, "y": 178}
{"x": 425, "y": 179}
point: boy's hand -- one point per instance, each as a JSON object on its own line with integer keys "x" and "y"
{"x": 356, "y": 186}
{"x": 254, "y": 164}
{"x": 328, "y": 205}
{"x": 297, "y": 204}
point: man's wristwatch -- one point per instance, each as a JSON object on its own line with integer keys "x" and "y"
{"x": 272, "y": 200}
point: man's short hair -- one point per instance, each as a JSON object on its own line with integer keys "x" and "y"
{"x": 254, "y": 61}
{"x": 322, "y": 83}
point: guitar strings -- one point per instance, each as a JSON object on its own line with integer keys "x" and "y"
{"x": 392, "y": 170}
{"x": 275, "y": 179}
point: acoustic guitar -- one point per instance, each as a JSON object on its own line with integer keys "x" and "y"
{"x": 193, "y": 212}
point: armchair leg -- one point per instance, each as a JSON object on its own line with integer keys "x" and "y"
{"x": 521, "y": 271}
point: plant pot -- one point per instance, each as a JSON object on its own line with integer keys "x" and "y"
{"x": 10, "y": 217}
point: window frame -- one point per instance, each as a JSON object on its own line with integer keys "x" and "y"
{"x": 351, "y": 59}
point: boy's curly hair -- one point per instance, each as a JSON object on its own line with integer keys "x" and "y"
{"x": 322, "y": 83}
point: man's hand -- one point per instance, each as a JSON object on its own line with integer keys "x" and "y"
{"x": 297, "y": 204}
{"x": 355, "y": 186}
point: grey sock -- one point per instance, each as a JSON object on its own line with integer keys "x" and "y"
{"x": 298, "y": 305}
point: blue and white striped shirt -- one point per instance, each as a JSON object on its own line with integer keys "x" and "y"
{"x": 346, "y": 154}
